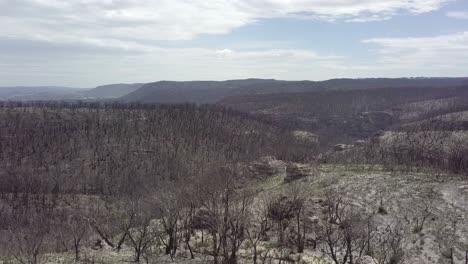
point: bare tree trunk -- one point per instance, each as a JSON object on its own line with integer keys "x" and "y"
{"x": 225, "y": 227}
{"x": 451, "y": 255}
{"x": 255, "y": 254}
{"x": 281, "y": 234}
{"x": 121, "y": 241}
{"x": 190, "y": 249}
{"x": 215, "y": 248}
{"x": 103, "y": 235}
{"x": 233, "y": 257}
{"x": 170, "y": 244}
{"x": 76, "y": 245}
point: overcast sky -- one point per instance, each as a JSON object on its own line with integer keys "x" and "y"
{"x": 85, "y": 43}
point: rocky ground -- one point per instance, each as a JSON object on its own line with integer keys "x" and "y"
{"x": 441, "y": 200}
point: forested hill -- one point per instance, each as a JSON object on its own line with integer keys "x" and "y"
{"x": 192, "y": 91}
{"x": 111, "y": 91}
{"x": 210, "y": 91}
{"x": 214, "y": 91}
{"x": 108, "y": 149}
{"x": 352, "y": 114}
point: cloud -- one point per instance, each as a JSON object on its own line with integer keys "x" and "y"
{"x": 224, "y": 52}
{"x": 458, "y": 14}
{"x": 394, "y": 57}
{"x": 85, "y": 41}
{"x": 103, "y": 22}
{"x": 170, "y": 64}
{"x": 437, "y": 52}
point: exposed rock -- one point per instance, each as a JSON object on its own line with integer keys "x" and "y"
{"x": 293, "y": 256}
{"x": 375, "y": 138}
{"x": 379, "y": 119}
{"x": 267, "y": 166}
{"x": 360, "y": 143}
{"x": 340, "y": 147}
{"x": 296, "y": 171}
{"x": 379, "y": 133}
{"x": 305, "y": 136}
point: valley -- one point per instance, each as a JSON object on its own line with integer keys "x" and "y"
{"x": 324, "y": 176}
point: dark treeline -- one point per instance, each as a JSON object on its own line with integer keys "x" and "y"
{"x": 343, "y": 116}
{"x": 326, "y": 111}
{"x": 341, "y": 102}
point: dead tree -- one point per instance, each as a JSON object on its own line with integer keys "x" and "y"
{"x": 29, "y": 236}
{"x": 107, "y": 219}
{"x": 345, "y": 233}
{"x": 226, "y": 208}
{"x": 74, "y": 230}
{"x": 420, "y": 217}
{"x": 446, "y": 235}
{"x": 141, "y": 234}
{"x": 282, "y": 210}
{"x": 258, "y": 226}
{"x": 238, "y": 222}
{"x": 388, "y": 244}
{"x": 172, "y": 203}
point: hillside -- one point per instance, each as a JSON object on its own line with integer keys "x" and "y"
{"x": 213, "y": 91}
{"x": 348, "y": 115}
{"x": 112, "y": 91}
{"x": 411, "y": 217}
{"x": 166, "y": 142}
{"x": 184, "y": 183}
{"x": 194, "y": 91}
{"x": 40, "y": 93}
{"x": 234, "y": 132}
{"x": 210, "y": 91}
{"x": 52, "y": 93}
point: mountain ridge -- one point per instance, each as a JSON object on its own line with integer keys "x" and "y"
{"x": 215, "y": 91}
{"x": 202, "y": 92}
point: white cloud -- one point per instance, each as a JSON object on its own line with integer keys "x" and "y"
{"x": 435, "y": 56}
{"x": 138, "y": 20}
{"x": 438, "y": 52}
{"x": 171, "y": 64}
{"x": 458, "y": 14}
{"x": 85, "y": 41}
{"x": 224, "y": 52}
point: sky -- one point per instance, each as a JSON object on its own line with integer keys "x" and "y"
{"x": 85, "y": 43}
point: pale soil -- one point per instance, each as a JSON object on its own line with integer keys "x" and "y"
{"x": 404, "y": 196}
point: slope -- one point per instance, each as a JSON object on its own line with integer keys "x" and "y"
{"x": 39, "y": 93}
{"x": 112, "y": 90}
{"x": 214, "y": 91}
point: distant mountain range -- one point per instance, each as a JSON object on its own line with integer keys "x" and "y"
{"x": 40, "y": 93}
{"x": 55, "y": 93}
{"x": 192, "y": 91}
{"x": 211, "y": 91}
{"x": 112, "y": 91}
